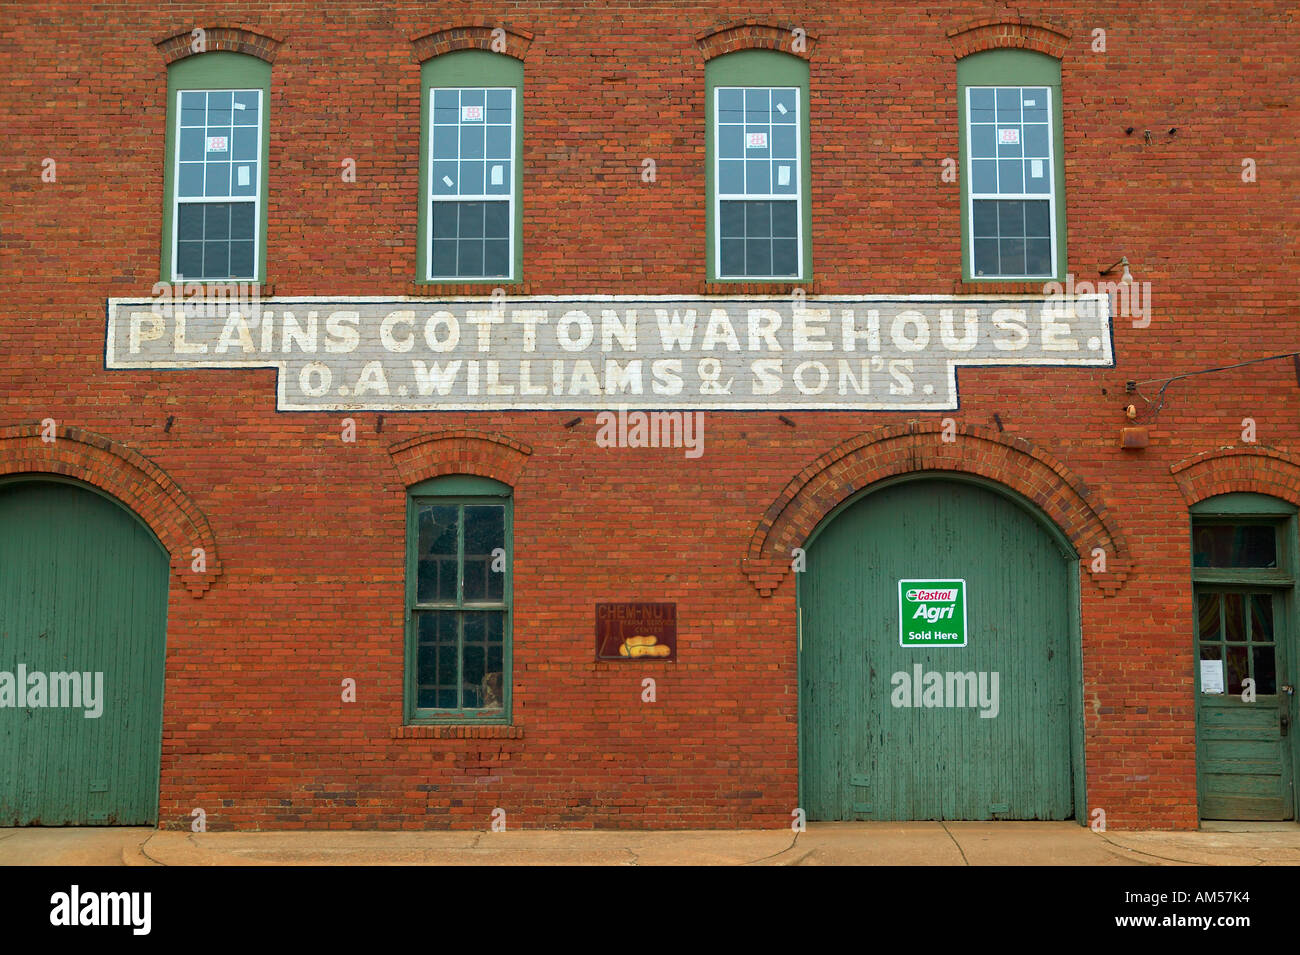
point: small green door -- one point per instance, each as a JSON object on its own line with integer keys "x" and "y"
{"x": 1243, "y": 575}
{"x": 981, "y": 731}
{"x": 83, "y": 609}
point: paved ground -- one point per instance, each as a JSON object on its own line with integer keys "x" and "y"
{"x": 872, "y": 843}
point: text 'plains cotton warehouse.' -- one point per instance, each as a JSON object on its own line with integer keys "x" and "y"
{"x": 677, "y": 416}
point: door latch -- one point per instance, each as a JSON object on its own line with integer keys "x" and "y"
{"x": 1288, "y": 689}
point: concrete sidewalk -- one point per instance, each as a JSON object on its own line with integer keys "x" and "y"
{"x": 872, "y": 843}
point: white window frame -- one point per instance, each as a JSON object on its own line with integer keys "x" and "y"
{"x": 430, "y": 198}
{"x": 971, "y": 196}
{"x": 257, "y": 194}
{"x": 754, "y": 197}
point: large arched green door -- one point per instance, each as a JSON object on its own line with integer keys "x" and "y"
{"x": 981, "y": 731}
{"x": 83, "y": 619}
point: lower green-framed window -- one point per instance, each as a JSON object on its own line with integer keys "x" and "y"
{"x": 458, "y": 596}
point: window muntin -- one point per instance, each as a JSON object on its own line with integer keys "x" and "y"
{"x": 471, "y": 183}
{"x": 217, "y": 177}
{"x": 757, "y": 182}
{"x": 459, "y": 610}
{"x": 1012, "y": 188}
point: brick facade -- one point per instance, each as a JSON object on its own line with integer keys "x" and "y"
{"x": 305, "y": 534}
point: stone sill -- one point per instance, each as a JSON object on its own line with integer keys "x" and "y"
{"x": 457, "y": 731}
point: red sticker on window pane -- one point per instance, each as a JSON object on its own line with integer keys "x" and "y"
{"x": 1009, "y": 136}
{"x": 471, "y": 113}
{"x": 217, "y": 144}
{"x": 756, "y": 140}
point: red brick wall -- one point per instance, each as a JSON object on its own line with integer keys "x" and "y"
{"x": 311, "y": 530}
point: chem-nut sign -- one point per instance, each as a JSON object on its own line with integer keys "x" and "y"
{"x": 636, "y": 631}
{"x": 605, "y": 352}
{"x": 932, "y": 613}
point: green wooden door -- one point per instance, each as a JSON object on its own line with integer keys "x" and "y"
{"x": 871, "y": 747}
{"x": 83, "y": 592}
{"x": 1244, "y": 572}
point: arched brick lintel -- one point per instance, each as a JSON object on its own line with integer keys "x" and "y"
{"x": 920, "y": 446}
{"x": 1013, "y": 33}
{"x": 128, "y": 476}
{"x": 755, "y": 35}
{"x": 460, "y": 452}
{"x": 229, "y": 39}
{"x": 1233, "y": 469}
{"x": 477, "y": 36}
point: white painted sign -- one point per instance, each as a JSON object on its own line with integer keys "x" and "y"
{"x": 609, "y": 351}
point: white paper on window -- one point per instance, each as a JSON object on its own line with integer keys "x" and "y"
{"x": 498, "y": 175}
{"x": 243, "y": 175}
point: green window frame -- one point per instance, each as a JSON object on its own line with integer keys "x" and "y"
{"x": 458, "y": 600}
{"x": 1011, "y": 146}
{"x": 449, "y": 164}
{"x": 209, "y": 98}
{"x": 767, "y": 76}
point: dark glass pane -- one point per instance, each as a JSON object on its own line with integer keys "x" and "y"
{"x": 1234, "y": 618}
{"x": 1265, "y": 670}
{"x": 984, "y": 175}
{"x": 785, "y": 220}
{"x": 241, "y": 259}
{"x": 216, "y": 221}
{"x": 191, "y": 180}
{"x": 1037, "y": 219}
{"x": 444, "y": 220}
{"x": 496, "y": 257}
{"x": 190, "y": 222}
{"x": 1207, "y": 615}
{"x": 436, "y": 553}
{"x": 191, "y": 145}
{"x": 758, "y": 257}
{"x": 1236, "y": 669}
{"x": 981, "y": 105}
{"x": 189, "y": 259}
{"x": 1011, "y": 219}
{"x": 1012, "y": 254}
{"x": 241, "y": 220}
{"x": 485, "y": 531}
{"x": 469, "y": 257}
{"x": 1038, "y": 257}
{"x": 1211, "y": 651}
{"x": 986, "y": 256}
{"x": 216, "y": 259}
{"x": 436, "y": 666}
{"x": 1234, "y": 545}
{"x": 731, "y": 219}
{"x": 471, "y": 220}
{"x": 444, "y": 257}
{"x": 1261, "y": 618}
{"x": 496, "y": 220}
{"x": 986, "y": 218}
{"x": 733, "y": 257}
{"x": 785, "y": 257}
{"x": 758, "y": 220}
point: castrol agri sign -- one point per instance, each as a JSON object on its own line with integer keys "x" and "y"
{"x": 932, "y": 613}
{"x": 606, "y": 352}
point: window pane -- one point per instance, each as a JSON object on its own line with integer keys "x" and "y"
{"x": 436, "y": 668}
{"x": 1010, "y": 176}
{"x": 1265, "y": 669}
{"x": 241, "y": 220}
{"x": 189, "y": 259}
{"x": 983, "y": 141}
{"x": 1038, "y": 257}
{"x": 496, "y": 220}
{"x": 1008, "y": 100}
{"x": 496, "y": 258}
{"x": 1234, "y": 619}
{"x": 485, "y": 531}
{"x": 1236, "y": 656}
{"x": 731, "y": 177}
{"x": 1261, "y": 618}
{"x": 1234, "y": 545}
{"x": 241, "y": 260}
{"x": 785, "y": 257}
{"x": 245, "y": 108}
{"x": 498, "y": 142}
{"x": 1034, "y": 104}
{"x": 733, "y": 257}
{"x": 731, "y": 219}
{"x": 984, "y": 176}
{"x": 189, "y": 221}
{"x": 216, "y": 260}
{"x": 1207, "y": 616}
{"x": 436, "y": 553}
{"x": 785, "y": 220}
{"x": 469, "y": 258}
{"x": 981, "y": 105}
{"x": 986, "y": 257}
{"x": 758, "y": 257}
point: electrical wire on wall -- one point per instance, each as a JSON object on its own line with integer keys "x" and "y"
{"x": 1131, "y": 387}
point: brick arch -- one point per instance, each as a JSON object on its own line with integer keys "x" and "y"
{"x": 128, "y": 476}
{"x": 998, "y": 33}
{"x": 1226, "y": 470}
{"x": 460, "y": 452}
{"x": 919, "y": 446}
{"x": 471, "y": 37}
{"x": 228, "y": 39}
{"x": 753, "y": 35}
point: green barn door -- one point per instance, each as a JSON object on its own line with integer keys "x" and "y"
{"x": 1243, "y": 581}
{"x": 989, "y": 734}
{"x": 83, "y": 591}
